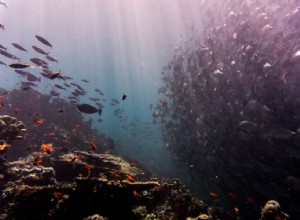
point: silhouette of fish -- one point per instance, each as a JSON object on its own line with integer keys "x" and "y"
{"x": 43, "y": 41}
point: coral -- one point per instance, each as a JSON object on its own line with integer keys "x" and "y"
{"x": 93, "y": 183}
{"x": 272, "y": 210}
{"x": 11, "y": 128}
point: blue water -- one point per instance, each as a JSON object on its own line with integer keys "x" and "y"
{"x": 119, "y": 46}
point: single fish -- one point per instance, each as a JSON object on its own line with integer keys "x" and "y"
{"x": 59, "y": 87}
{"x": 88, "y": 109}
{"x": 92, "y": 144}
{"x": 39, "y": 62}
{"x": 39, "y": 50}
{"x": 33, "y": 78}
{"x": 54, "y": 75}
{"x": 19, "y": 47}
{"x": 124, "y": 96}
{"x": 47, "y": 148}
{"x": 19, "y": 65}
{"x": 51, "y": 59}
{"x": 43, "y": 41}
{"x": 8, "y": 55}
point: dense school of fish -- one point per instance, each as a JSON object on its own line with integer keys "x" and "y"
{"x": 229, "y": 106}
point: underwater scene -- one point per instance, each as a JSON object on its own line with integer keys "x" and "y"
{"x": 150, "y": 109}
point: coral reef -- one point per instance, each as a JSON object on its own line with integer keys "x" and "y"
{"x": 94, "y": 186}
{"x": 11, "y": 128}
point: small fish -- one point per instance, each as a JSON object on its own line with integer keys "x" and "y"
{"x": 19, "y": 65}
{"x": 54, "y": 75}
{"x": 236, "y": 210}
{"x": 92, "y": 144}
{"x": 250, "y": 200}
{"x": 88, "y": 109}
{"x": 47, "y": 148}
{"x": 4, "y": 145}
{"x": 17, "y": 110}
{"x": 25, "y": 88}
{"x": 60, "y": 110}
{"x": 33, "y": 78}
{"x": 117, "y": 175}
{"x": 39, "y": 62}
{"x": 19, "y": 47}
{"x": 158, "y": 188}
{"x": 136, "y": 194}
{"x": 39, "y": 50}
{"x": 51, "y": 59}
{"x": 21, "y": 72}
{"x": 43, "y": 40}
{"x": 2, "y": 3}
{"x": 88, "y": 167}
{"x": 58, "y": 195}
{"x": 8, "y": 55}
{"x": 39, "y": 122}
{"x": 59, "y": 87}
{"x": 233, "y": 196}
{"x": 124, "y": 96}
{"x": 213, "y": 195}
{"x": 130, "y": 178}
{"x": 278, "y": 133}
{"x": 28, "y": 192}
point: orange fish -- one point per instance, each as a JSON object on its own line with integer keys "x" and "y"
{"x": 17, "y": 110}
{"x": 130, "y": 178}
{"x": 92, "y": 144}
{"x": 28, "y": 192}
{"x": 58, "y": 195}
{"x": 233, "y": 196}
{"x": 39, "y": 122}
{"x": 250, "y": 200}
{"x": 77, "y": 126}
{"x": 213, "y": 195}
{"x": 3, "y": 146}
{"x": 158, "y": 188}
{"x": 88, "y": 167}
{"x": 47, "y": 148}
{"x": 236, "y": 210}
{"x": 136, "y": 194}
{"x": 117, "y": 175}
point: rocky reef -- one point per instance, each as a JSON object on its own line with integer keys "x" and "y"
{"x": 86, "y": 185}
